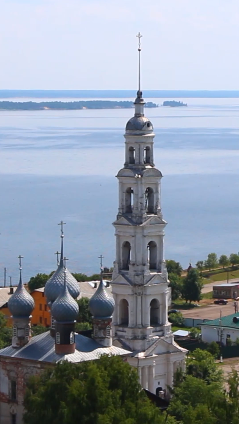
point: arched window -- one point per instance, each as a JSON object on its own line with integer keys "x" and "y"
{"x": 152, "y": 255}
{"x": 149, "y": 200}
{"x": 126, "y": 249}
{"x": 131, "y": 155}
{"x": 123, "y": 312}
{"x": 129, "y": 198}
{"x": 154, "y": 312}
{"x": 147, "y": 155}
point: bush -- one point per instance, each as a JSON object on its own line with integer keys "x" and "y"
{"x": 214, "y": 349}
{"x": 194, "y": 332}
{"x": 176, "y": 319}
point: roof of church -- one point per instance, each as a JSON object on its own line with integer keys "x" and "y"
{"x": 42, "y": 348}
{"x": 139, "y": 123}
{"x": 65, "y": 308}
{"x": 21, "y": 303}
{"x": 101, "y": 304}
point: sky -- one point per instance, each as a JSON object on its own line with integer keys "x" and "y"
{"x": 92, "y": 44}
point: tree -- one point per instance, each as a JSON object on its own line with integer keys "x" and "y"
{"x": 211, "y": 261}
{"x": 224, "y": 261}
{"x": 38, "y": 281}
{"x": 176, "y": 319}
{"x": 173, "y": 267}
{"x": 192, "y": 286}
{"x": 5, "y": 332}
{"x": 201, "y": 364}
{"x": 105, "y": 391}
{"x": 84, "y": 315}
{"x": 234, "y": 259}
{"x": 200, "y": 265}
{"x": 176, "y": 285}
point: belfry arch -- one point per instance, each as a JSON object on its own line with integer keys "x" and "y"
{"x": 129, "y": 200}
{"x": 123, "y": 312}
{"x": 126, "y": 253}
{"x": 152, "y": 255}
{"x": 149, "y": 200}
{"x": 147, "y": 155}
{"x": 154, "y": 312}
{"x": 131, "y": 155}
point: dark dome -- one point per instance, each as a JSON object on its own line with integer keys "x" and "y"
{"x": 101, "y": 305}
{"x": 21, "y": 303}
{"x": 56, "y": 282}
{"x": 139, "y": 123}
{"x": 65, "y": 308}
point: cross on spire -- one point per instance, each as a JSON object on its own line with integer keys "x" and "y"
{"x": 139, "y": 36}
{"x": 20, "y": 257}
{"x": 57, "y": 257}
{"x": 65, "y": 259}
{"x": 62, "y": 228}
{"x": 101, "y": 262}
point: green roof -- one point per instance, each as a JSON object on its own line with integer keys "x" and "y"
{"x": 225, "y": 321}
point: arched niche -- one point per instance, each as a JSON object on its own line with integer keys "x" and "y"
{"x": 154, "y": 312}
{"x": 129, "y": 199}
{"x": 147, "y": 155}
{"x": 149, "y": 200}
{"x": 131, "y": 155}
{"x": 123, "y": 312}
{"x": 126, "y": 251}
{"x": 152, "y": 255}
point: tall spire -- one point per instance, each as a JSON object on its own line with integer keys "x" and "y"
{"x": 62, "y": 237}
{"x": 20, "y": 257}
{"x": 139, "y": 36}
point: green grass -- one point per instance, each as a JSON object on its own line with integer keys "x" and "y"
{"x": 207, "y": 295}
{"x": 181, "y": 304}
{"x": 221, "y": 276}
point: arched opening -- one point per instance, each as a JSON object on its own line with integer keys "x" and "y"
{"x": 154, "y": 312}
{"x": 160, "y": 392}
{"x": 123, "y": 312}
{"x": 152, "y": 255}
{"x": 129, "y": 200}
{"x": 126, "y": 250}
{"x": 147, "y": 155}
{"x": 131, "y": 155}
{"x": 149, "y": 200}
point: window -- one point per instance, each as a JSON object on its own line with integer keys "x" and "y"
{"x": 108, "y": 331}
{"x": 40, "y": 320}
{"x": 149, "y": 200}
{"x": 126, "y": 248}
{"x": 147, "y": 155}
{"x": 58, "y": 338}
{"x": 45, "y": 307}
{"x": 42, "y": 294}
{"x": 154, "y": 312}
{"x": 129, "y": 200}
{"x": 14, "y": 331}
{"x": 40, "y": 306}
{"x": 152, "y": 255}
{"x": 124, "y": 312}
{"x": 13, "y": 390}
{"x": 131, "y": 155}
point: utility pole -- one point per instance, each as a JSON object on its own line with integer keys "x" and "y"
{"x": 5, "y": 277}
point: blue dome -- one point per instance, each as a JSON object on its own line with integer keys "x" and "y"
{"x": 101, "y": 305}
{"x": 65, "y": 308}
{"x": 55, "y": 284}
{"x": 21, "y": 303}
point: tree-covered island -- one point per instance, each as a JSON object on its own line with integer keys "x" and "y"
{"x": 173, "y": 103}
{"x": 77, "y": 105}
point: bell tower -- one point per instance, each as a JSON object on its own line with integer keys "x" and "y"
{"x": 140, "y": 279}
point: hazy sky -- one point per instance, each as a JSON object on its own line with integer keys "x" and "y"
{"x": 91, "y": 44}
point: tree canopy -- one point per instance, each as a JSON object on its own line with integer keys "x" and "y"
{"x": 106, "y": 391}
{"x": 192, "y": 286}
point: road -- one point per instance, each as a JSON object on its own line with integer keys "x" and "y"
{"x": 210, "y": 312}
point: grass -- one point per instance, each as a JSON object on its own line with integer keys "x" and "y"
{"x": 207, "y": 295}
{"x": 220, "y": 276}
{"x": 181, "y": 304}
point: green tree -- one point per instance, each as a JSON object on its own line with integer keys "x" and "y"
{"x": 5, "y": 332}
{"x": 176, "y": 319}
{"x": 201, "y": 364}
{"x": 176, "y": 285}
{"x": 38, "y": 281}
{"x": 173, "y": 267}
{"x": 106, "y": 391}
{"x": 192, "y": 286}
{"x": 211, "y": 261}
{"x": 80, "y": 277}
{"x": 224, "y": 261}
{"x": 200, "y": 265}
{"x": 38, "y": 329}
{"x": 84, "y": 315}
{"x": 234, "y": 259}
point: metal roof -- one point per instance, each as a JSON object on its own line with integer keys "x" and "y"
{"x": 5, "y": 295}
{"x": 42, "y": 348}
{"x": 223, "y": 322}
{"x": 181, "y": 333}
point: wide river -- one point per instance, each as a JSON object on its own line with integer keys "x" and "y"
{"x": 61, "y": 165}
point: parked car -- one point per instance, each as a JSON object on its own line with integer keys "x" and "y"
{"x": 221, "y": 302}
{"x": 173, "y": 311}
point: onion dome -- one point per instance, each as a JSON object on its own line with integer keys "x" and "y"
{"x": 139, "y": 123}
{"x": 55, "y": 283}
{"x": 65, "y": 308}
{"x": 101, "y": 305}
{"x": 21, "y": 303}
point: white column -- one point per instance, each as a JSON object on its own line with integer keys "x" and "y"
{"x": 151, "y": 377}
{"x": 145, "y": 382}
{"x": 165, "y": 311}
{"x": 139, "y": 310}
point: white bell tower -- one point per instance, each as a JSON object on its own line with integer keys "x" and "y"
{"x": 140, "y": 279}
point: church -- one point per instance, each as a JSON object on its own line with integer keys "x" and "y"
{"x": 133, "y": 322}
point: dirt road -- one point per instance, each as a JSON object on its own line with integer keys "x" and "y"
{"x": 208, "y": 287}
{"x": 210, "y": 312}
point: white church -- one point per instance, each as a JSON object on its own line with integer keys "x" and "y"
{"x": 134, "y": 322}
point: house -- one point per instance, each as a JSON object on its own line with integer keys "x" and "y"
{"x": 226, "y": 291}
{"x": 221, "y": 330}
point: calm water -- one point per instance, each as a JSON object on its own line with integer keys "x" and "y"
{"x": 61, "y": 165}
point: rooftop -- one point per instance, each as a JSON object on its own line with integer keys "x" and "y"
{"x": 226, "y": 321}
{"x": 42, "y": 348}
